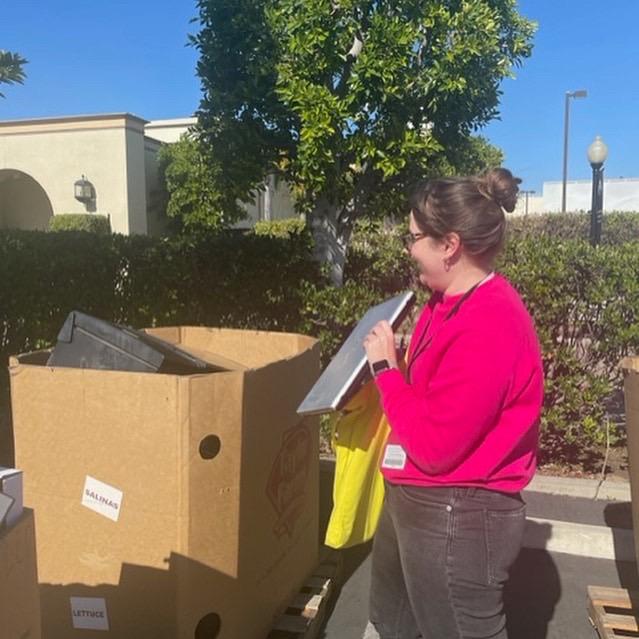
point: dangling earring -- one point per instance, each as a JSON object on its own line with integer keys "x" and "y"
{"x": 446, "y": 264}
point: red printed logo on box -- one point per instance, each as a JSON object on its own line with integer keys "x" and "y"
{"x": 287, "y": 482}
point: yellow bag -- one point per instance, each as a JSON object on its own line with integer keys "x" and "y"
{"x": 359, "y": 435}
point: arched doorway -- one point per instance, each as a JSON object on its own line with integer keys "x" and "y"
{"x": 24, "y": 204}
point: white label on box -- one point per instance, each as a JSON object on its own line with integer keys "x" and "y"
{"x": 89, "y": 613}
{"x": 102, "y": 498}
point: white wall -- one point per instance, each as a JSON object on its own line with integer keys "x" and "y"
{"x": 273, "y": 203}
{"x": 168, "y": 130}
{"x": 135, "y": 171}
{"x": 620, "y": 194}
{"x": 529, "y": 204}
{"x": 282, "y": 202}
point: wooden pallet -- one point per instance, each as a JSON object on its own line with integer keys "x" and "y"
{"x": 613, "y": 611}
{"x": 305, "y": 614}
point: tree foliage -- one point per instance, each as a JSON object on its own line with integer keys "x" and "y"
{"x": 350, "y": 100}
{"x": 11, "y": 68}
{"x": 190, "y": 181}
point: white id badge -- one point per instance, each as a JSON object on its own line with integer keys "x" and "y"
{"x": 394, "y": 457}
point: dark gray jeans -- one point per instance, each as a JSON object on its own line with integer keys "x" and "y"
{"x": 441, "y": 557}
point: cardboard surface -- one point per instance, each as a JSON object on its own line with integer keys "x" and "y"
{"x": 630, "y": 366}
{"x": 178, "y": 502}
{"x": 19, "y": 596}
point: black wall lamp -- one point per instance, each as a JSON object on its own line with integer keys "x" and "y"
{"x": 83, "y": 190}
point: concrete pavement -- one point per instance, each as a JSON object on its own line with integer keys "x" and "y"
{"x": 579, "y": 533}
{"x": 545, "y": 598}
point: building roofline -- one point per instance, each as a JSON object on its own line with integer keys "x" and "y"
{"x": 64, "y": 119}
{"x": 171, "y": 122}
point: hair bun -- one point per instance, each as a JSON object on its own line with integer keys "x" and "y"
{"x": 501, "y": 186}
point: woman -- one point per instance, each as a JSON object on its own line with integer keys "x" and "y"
{"x": 464, "y": 423}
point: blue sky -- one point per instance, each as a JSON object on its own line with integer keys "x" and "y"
{"x": 93, "y": 56}
{"x": 579, "y": 44}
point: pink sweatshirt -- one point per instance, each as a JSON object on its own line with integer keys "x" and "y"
{"x": 468, "y": 414}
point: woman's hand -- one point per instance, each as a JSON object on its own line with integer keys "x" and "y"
{"x": 380, "y": 344}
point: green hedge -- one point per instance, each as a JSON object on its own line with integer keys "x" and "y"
{"x": 233, "y": 279}
{"x": 585, "y": 301}
{"x": 617, "y": 227}
{"x": 100, "y": 224}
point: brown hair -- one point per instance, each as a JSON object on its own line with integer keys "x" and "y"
{"x": 473, "y": 207}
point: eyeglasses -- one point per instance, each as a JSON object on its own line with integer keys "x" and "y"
{"x": 410, "y": 238}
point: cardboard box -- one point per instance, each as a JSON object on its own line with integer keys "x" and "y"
{"x": 19, "y": 597}
{"x": 171, "y": 506}
{"x": 11, "y": 484}
{"x": 630, "y": 367}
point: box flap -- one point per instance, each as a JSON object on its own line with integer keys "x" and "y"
{"x": 253, "y": 349}
{"x": 37, "y": 358}
{"x": 214, "y": 358}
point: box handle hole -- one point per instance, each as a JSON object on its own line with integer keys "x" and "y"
{"x": 210, "y": 446}
{"x": 208, "y": 627}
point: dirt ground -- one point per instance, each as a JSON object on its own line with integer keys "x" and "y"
{"x": 616, "y": 467}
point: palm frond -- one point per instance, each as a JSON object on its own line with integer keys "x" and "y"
{"x": 11, "y": 68}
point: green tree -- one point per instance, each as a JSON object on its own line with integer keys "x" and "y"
{"x": 472, "y": 155}
{"x": 11, "y": 68}
{"x": 190, "y": 181}
{"x": 350, "y": 100}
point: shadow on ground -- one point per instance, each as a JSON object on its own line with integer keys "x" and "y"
{"x": 533, "y": 590}
{"x": 531, "y": 596}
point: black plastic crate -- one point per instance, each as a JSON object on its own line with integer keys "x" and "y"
{"x": 88, "y": 342}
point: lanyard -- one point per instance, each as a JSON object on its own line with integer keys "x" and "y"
{"x": 426, "y": 340}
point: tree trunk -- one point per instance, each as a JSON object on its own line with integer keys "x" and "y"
{"x": 331, "y": 238}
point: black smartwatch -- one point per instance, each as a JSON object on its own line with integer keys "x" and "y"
{"x": 380, "y": 366}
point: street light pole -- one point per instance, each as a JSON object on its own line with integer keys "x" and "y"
{"x": 526, "y": 193}
{"x": 596, "y": 212}
{"x": 582, "y": 93}
{"x": 597, "y": 154}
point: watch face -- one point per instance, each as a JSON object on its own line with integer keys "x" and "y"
{"x": 380, "y": 366}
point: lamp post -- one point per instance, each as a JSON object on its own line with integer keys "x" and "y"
{"x": 526, "y": 193}
{"x": 597, "y": 154}
{"x": 581, "y": 93}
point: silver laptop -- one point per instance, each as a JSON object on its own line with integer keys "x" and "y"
{"x": 348, "y": 369}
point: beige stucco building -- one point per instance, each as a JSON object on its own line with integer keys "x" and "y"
{"x": 42, "y": 159}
